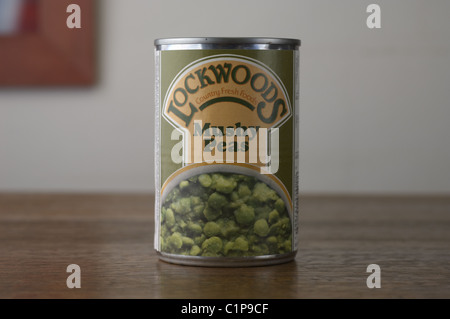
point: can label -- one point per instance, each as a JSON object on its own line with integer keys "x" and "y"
{"x": 226, "y": 152}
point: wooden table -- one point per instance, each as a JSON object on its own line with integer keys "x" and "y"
{"x": 111, "y": 238}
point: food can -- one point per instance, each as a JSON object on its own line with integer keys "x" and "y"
{"x": 226, "y": 150}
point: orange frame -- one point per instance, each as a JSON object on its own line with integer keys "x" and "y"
{"x": 54, "y": 55}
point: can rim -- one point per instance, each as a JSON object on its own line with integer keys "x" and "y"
{"x": 228, "y": 40}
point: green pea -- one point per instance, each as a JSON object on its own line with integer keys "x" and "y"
{"x": 273, "y": 216}
{"x": 194, "y": 229}
{"x": 211, "y": 229}
{"x": 217, "y": 201}
{"x": 245, "y": 215}
{"x": 224, "y": 215}
{"x": 187, "y": 241}
{"x": 195, "y": 250}
{"x": 211, "y": 213}
{"x": 170, "y": 218}
{"x": 184, "y": 184}
{"x": 175, "y": 241}
{"x": 261, "y": 228}
{"x": 212, "y": 245}
{"x": 279, "y": 205}
{"x": 205, "y": 180}
{"x": 223, "y": 183}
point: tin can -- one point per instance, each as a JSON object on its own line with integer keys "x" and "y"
{"x": 226, "y": 150}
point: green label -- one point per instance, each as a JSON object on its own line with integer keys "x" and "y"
{"x": 226, "y": 152}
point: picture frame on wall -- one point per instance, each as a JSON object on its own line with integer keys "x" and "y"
{"x": 37, "y": 47}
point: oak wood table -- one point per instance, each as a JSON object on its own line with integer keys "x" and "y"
{"x": 111, "y": 238}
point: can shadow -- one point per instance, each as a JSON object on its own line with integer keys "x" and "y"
{"x": 273, "y": 282}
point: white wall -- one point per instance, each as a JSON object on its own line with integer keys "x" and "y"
{"x": 375, "y": 104}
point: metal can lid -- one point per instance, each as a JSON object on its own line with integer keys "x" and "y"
{"x": 229, "y": 40}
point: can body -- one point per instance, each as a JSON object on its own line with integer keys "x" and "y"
{"x": 226, "y": 151}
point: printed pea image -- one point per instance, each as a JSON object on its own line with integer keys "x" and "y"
{"x": 224, "y": 215}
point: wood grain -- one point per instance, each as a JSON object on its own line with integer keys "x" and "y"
{"x": 111, "y": 238}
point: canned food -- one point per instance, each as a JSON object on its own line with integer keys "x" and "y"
{"x": 226, "y": 151}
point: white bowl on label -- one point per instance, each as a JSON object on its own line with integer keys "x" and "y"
{"x": 228, "y": 168}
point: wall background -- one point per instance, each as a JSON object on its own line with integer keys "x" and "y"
{"x": 375, "y": 104}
